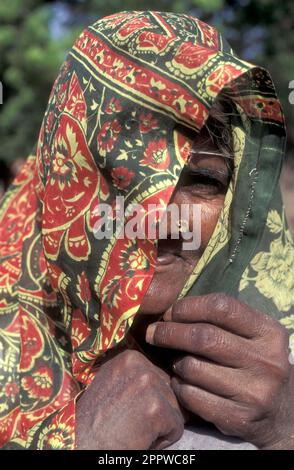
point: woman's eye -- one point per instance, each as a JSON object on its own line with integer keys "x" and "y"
{"x": 203, "y": 182}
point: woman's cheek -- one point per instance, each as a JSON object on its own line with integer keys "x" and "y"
{"x": 210, "y": 211}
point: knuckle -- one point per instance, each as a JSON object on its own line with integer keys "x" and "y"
{"x": 239, "y": 421}
{"x": 154, "y": 408}
{"x": 278, "y": 366}
{"x": 250, "y": 416}
{"x": 264, "y": 400}
{"x": 204, "y": 337}
{"x": 130, "y": 358}
{"x": 244, "y": 416}
{"x": 221, "y": 302}
{"x": 178, "y": 309}
{"x": 145, "y": 379}
{"x": 282, "y": 369}
{"x": 277, "y": 369}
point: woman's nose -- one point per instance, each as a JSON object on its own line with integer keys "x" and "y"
{"x": 179, "y": 215}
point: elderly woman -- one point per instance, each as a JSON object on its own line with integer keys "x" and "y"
{"x": 100, "y": 335}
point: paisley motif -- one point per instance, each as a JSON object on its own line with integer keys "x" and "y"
{"x": 112, "y": 128}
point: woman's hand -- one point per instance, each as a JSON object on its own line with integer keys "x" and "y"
{"x": 129, "y": 405}
{"x": 236, "y": 373}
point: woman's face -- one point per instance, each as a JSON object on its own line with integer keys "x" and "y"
{"x": 204, "y": 182}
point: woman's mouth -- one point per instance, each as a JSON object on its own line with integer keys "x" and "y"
{"x": 165, "y": 260}
{"x": 171, "y": 256}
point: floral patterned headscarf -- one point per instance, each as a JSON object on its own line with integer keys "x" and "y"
{"x": 129, "y": 84}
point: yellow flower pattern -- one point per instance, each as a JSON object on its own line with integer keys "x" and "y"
{"x": 274, "y": 269}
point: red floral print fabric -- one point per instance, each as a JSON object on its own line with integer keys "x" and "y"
{"x": 111, "y": 129}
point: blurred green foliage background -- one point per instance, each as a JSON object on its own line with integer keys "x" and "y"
{"x": 35, "y": 35}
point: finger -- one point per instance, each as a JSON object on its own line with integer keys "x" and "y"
{"x": 169, "y": 428}
{"x": 169, "y": 396}
{"x": 221, "y": 310}
{"x": 215, "y": 378}
{"x": 203, "y": 339}
{"x": 166, "y": 389}
{"x": 229, "y": 416}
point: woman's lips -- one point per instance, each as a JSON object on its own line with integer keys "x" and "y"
{"x": 164, "y": 261}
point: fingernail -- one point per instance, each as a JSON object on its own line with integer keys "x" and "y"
{"x": 176, "y": 365}
{"x": 168, "y": 315}
{"x": 150, "y": 333}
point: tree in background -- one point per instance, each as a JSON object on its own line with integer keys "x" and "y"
{"x": 29, "y": 59}
{"x": 36, "y": 34}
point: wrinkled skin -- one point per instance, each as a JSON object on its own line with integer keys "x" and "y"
{"x": 212, "y": 348}
{"x": 234, "y": 369}
{"x": 130, "y": 405}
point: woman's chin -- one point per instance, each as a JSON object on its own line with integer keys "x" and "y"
{"x": 158, "y": 304}
{"x": 169, "y": 278}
